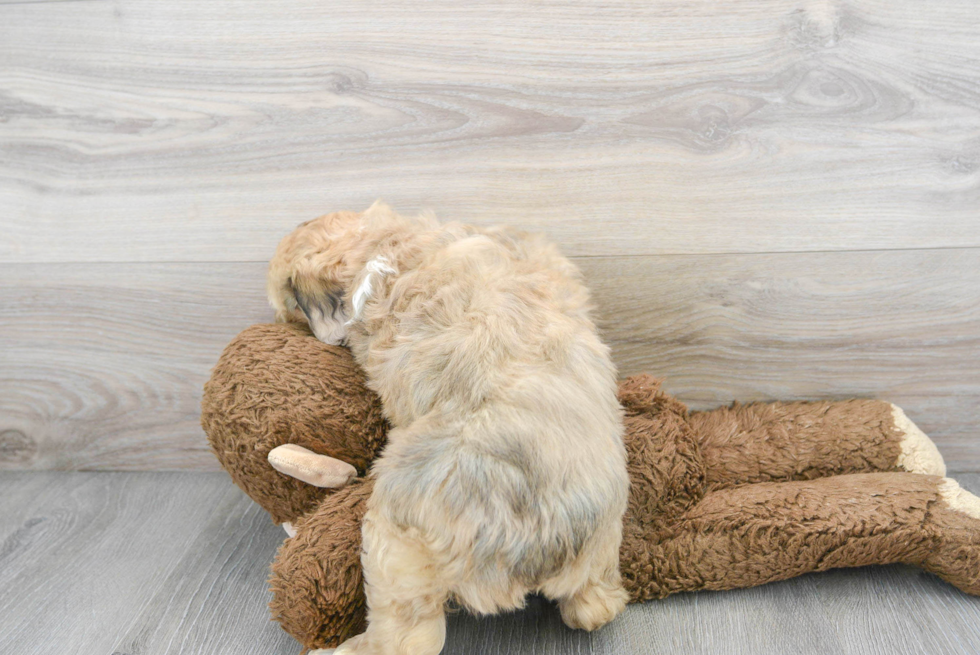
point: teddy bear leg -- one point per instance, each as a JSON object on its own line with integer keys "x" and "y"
{"x": 763, "y": 442}
{"x": 957, "y": 516}
{"x": 406, "y": 596}
{"x": 758, "y": 533}
{"x": 317, "y": 585}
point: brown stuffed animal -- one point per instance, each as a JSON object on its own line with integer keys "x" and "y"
{"x": 735, "y": 497}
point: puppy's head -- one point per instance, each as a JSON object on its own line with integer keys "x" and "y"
{"x": 311, "y": 272}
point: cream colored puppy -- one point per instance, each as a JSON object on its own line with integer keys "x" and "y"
{"x": 505, "y": 471}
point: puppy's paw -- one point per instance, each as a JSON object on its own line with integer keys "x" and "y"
{"x": 593, "y": 607}
{"x": 353, "y": 646}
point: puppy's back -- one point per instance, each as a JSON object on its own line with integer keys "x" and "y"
{"x": 509, "y": 459}
{"x": 505, "y": 502}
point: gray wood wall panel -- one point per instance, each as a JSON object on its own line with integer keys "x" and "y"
{"x": 902, "y": 326}
{"x": 152, "y": 154}
{"x": 180, "y": 130}
{"x": 103, "y": 363}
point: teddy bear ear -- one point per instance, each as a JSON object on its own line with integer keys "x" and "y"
{"x": 311, "y": 468}
{"x": 640, "y": 393}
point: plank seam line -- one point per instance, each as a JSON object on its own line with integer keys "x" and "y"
{"x": 610, "y": 256}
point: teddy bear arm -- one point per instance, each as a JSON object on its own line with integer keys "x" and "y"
{"x": 758, "y": 533}
{"x": 316, "y": 583}
{"x": 761, "y": 442}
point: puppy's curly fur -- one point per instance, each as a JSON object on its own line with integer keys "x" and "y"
{"x": 505, "y": 471}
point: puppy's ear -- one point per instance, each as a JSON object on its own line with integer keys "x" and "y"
{"x": 322, "y": 303}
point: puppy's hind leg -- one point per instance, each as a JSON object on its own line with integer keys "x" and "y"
{"x": 406, "y": 596}
{"x": 600, "y": 598}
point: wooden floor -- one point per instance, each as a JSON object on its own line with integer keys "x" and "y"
{"x": 167, "y": 563}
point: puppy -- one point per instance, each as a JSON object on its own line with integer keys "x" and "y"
{"x": 505, "y": 471}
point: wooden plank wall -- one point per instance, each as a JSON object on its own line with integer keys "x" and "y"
{"x": 770, "y": 198}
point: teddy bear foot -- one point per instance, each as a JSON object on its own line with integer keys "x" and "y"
{"x": 959, "y": 499}
{"x": 957, "y": 559}
{"x": 918, "y": 453}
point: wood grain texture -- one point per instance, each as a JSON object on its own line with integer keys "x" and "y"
{"x": 902, "y": 326}
{"x": 24, "y": 2}
{"x": 216, "y": 600}
{"x": 136, "y": 564}
{"x": 880, "y": 610}
{"x": 900, "y": 593}
{"x": 86, "y": 556}
{"x": 180, "y": 130}
{"x": 536, "y": 629}
{"x": 103, "y": 364}
{"x": 777, "y": 618}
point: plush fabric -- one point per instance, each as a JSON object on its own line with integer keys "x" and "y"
{"x": 731, "y": 498}
{"x": 274, "y": 385}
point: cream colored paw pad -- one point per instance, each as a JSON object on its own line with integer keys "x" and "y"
{"x": 919, "y": 454}
{"x": 959, "y": 498}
